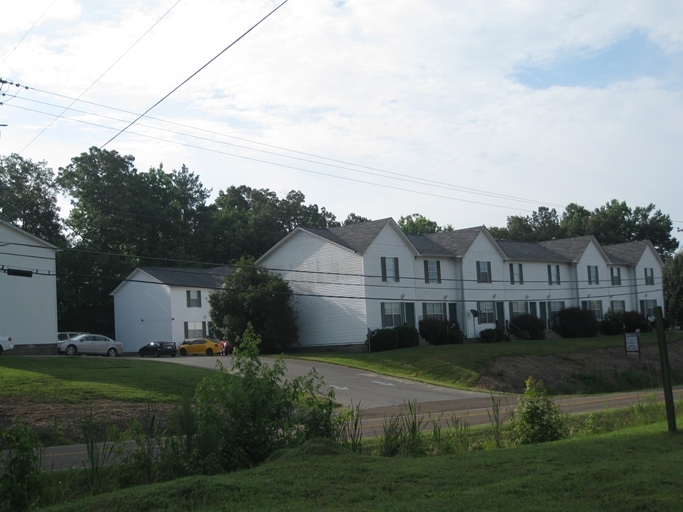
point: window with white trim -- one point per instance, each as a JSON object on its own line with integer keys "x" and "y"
{"x": 434, "y": 310}
{"x": 593, "y": 305}
{"x": 195, "y": 330}
{"x": 516, "y": 273}
{"x": 484, "y": 272}
{"x": 617, "y": 306}
{"x": 392, "y": 314}
{"x": 649, "y": 276}
{"x": 518, "y": 308}
{"x": 487, "y": 314}
{"x": 390, "y": 269}
{"x": 647, "y": 308}
{"x": 553, "y": 274}
{"x": 194, "y": 298}
{"x": 593, "y": 274}
{"x": 554, "y": 307}
{"x": 615, "y": 274}
{"x": 432, "y": 271}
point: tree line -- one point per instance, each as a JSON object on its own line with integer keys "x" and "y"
{"x": 121, "y": 218}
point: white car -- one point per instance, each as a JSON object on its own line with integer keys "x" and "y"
{"x": 5, "y": 343}
{"x": 92, "y": 344}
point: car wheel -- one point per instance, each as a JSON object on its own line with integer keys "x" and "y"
{"x": 209, "y": 352}
{"x": 71, "y": 350}
{"x": 183, "y": 352}
{"x": 141, "y": 354}
{"x": 111, "y": 352}
{"x": 157, "y": 354}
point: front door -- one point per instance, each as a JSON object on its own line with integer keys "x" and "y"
{"x": 410, "y": 314}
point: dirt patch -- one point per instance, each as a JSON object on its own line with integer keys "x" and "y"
{"x": 599, "y": 370}
{"x": 59, "y": 423}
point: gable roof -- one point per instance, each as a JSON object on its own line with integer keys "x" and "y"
{"x": 34, "y": 238}
{"x": 190, "y": 277}
{"x": 456, "y": 242}
{"x": 530, "y": 251}
{"x": 356, "y": 237}
{"x": 629, "y": 253}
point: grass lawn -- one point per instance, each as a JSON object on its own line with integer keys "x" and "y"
{"x": 459, "y": 366}
{"x": 636, "y": 469}
{"x": 74, "y": 379}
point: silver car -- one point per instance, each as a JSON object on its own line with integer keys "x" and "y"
{"x": 92, "y": 344}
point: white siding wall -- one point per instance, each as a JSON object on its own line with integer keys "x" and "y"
{"x": 331, "y": 304}
{"x": 28, "y": 306}
{"x": 390, "y": 244}
{"x": 142, "y": 312}
{"x": 181, "y": 313}
{"x": 649, "y": 259}
{"x": 482, "y": 249}
{"x": 593, "y": 292}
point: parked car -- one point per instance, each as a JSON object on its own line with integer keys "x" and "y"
{"x": 61, "y": 336}
{"x": 199, "y": 346}
{"x": 158, "y": 348}
{"x": 5, "y": 343}
{"x": 92, "y": 344}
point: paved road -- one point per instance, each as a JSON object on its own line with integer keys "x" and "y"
{"x": 351, "y": 386}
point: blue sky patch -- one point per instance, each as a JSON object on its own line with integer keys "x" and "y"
{"x": 632, "y": 57}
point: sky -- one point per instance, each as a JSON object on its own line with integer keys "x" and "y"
{"x": 466, "y": 112}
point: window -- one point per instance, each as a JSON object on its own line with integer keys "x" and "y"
{"x": 649, "y": 275}
{"x": 486, "y": 312}
{"x": 615, "y": 273}
{"x": 593, "y": 274}
{"x": 647, "y": 308}
{"x": 518, "y": 308}
{"x": 516, "y": 274}
{"x": 617, "y": 306}
{"x": 593, "y": 305}
{"x": 432, "y": 271}
{"x": 194, "y": 298}
{"x": 553, "y": 274}
{"x": 392, "y": 314}
{"x": 434, "y": 310}
{"x": 195, "y": 330}
{"x": 484, "y": 272}
{"x": 390, "y": 269}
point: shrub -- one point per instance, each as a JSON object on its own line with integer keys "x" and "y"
{"x": 19, "y": 468}
{"x": 538, "y": 418}
{"x": 440, "y": 332}
{"x": 407, "y": 336}
{"x": 613, "y": 323}
{"x": 576, "y": 323}
{"x": 491, "y": 335}
{"x": 634, "y": 320}
{"x": 528, "y": 327}
{"x": 381, "y": 340}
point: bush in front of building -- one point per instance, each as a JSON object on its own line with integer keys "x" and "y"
{"x": 528, "y": 327}
{"x": 407, "y": 336}
{"x": 436, "y": 331}
{"x": 613, "y": 323}
{"x": 491, "y": 335}
{"x": 390, "y": 338}
{"x": 634, "y": 320}
{"x": 576, "y": 323}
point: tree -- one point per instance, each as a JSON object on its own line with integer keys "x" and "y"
{"x": 253, "y": 295}
{"x": 31, "y": 203}
{"x": 418, "y": 224}
{"x": 672, "y": 278}
{"x": 352, "y": 218}
{"x": 574, "y": 221}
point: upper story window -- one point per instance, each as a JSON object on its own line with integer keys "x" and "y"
{"x": 615, "y": 274}
{"x": 194, "y": 298}
{"x": 553, "y": 274}
{"x": 649, "y": 275}
{"x": 484, "y": 272}
{"x": 432, "y": 271}
{"x": 516, "y": 273}
{"x": 593, "y": 274}
{"x": 390, "y": 269}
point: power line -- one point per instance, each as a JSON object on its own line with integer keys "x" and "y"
{"x": 27, "y": 33}
{"x": 195, "y": 73}
{"x": 99, "y": 77}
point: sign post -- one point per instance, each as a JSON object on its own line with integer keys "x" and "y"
{"x": 666, "y": 373}
{"x": 632, "y": 343}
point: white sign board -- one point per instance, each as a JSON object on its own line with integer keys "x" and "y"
{"x": 632, "y": 343}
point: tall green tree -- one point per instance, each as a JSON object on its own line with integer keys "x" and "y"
{"x": 418, "y": 224}
{"x": 672, "y": 278}
{"x": 31, "y": 202}
{"x": 352, "y": 218}
{"x": 574, "y": 221}
{"x": 256, "y": 296}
